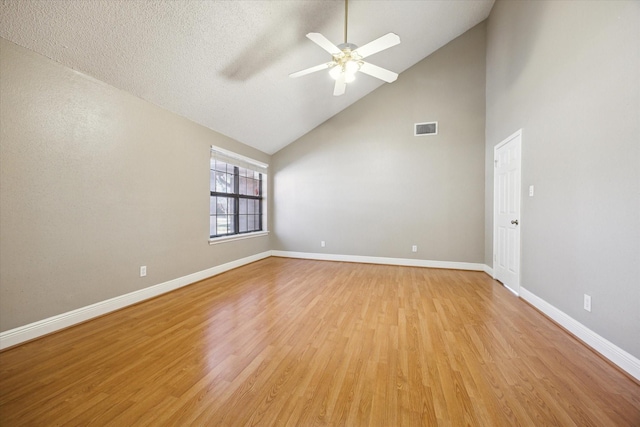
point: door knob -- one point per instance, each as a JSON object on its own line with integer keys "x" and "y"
{"x": 515, "y": 222}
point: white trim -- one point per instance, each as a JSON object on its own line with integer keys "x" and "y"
{"x": 511, "y": 290}
{"x": 239, "y": 157}
{"x": 225, "y": 239}
{"x": 55, "y": 323}
{"x": 488, "y": 270}
{"x": 615, "y": 354}
{"x": 382, "y": 260}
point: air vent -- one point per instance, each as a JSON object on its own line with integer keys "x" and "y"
{"x": 430, "y": 128}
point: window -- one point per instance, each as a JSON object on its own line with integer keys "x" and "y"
{"x": 237, "y": 200}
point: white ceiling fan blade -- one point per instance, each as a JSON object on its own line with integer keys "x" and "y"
{"x": 378, "y": 72}
{"x": 378, "y": 44}
{"x": 340, "y": 86}
{"x": 324, "y": 43}
{"x": 311, "y": 70}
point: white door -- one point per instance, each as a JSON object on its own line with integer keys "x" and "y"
{"x": 506, "y": 219}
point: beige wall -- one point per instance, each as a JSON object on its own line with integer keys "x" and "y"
{"x": 95, "y": 183}
{"x": 366, "y": 186}
{"x": 568, "y": 74}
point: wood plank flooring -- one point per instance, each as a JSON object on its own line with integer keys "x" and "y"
{"x": 305, "y": 343}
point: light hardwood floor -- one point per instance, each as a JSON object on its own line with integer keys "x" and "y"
{"x": 301, "y": 343}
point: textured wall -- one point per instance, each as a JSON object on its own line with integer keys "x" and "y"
{"x": 95, "y": 183}
{"x": 568, "y": 74}
{"x": 364, "y": 184}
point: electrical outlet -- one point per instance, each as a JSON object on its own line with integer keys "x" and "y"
{"x": 322, "y": 245}
{"x": 143, "y": 271}
{"x": 587, "y": 302}
{"x": 531, "y": 191}
{"x": 414, "y": 248}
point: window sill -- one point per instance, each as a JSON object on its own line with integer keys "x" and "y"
{"x": 225, "y": 239}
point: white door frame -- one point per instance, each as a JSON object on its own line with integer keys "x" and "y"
{"x": 515, "y": 135}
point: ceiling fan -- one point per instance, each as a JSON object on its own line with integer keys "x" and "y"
{"x": 347, "y": 58}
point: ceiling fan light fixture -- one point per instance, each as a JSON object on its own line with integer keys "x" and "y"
{"x": 349, "y": 77}
{"x": 351, "y": 67}
{"x": 335, "y": 72}
{"x": 348, "y": 68}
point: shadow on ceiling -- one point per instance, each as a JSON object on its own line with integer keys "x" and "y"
{"x": 269, "y": 47}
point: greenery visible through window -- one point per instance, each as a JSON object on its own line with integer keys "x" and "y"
{"x": 236, "y": 204}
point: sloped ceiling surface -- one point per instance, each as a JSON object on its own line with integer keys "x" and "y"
{"x": 225, "y": 64}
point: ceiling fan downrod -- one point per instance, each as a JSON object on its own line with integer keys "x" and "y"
{"x": 346, "y": 16}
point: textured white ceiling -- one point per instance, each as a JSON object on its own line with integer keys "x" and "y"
{"x": 225, "y": 64}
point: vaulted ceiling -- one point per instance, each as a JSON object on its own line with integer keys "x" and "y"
{"x": 225, "y": 64}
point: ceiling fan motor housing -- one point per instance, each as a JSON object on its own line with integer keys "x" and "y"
{"x": 347, "y": 62}
{"x": 349, "y": 46}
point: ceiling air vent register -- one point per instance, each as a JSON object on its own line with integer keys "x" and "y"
{"x": 429, "y": 128}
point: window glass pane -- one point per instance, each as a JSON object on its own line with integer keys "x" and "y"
{"x": 242, "y": 171}
{"x": 230, "y": 180}
{"x": 212, "y": 205}
{"x": 243, "y": 185}
{"x": 222, "y": 206}
{"x": 221, "y": 166}
{"x": 231, "y": 206}
{"x": 243, "y": 206}
{"x": 226, "y": 183}
{"x": 251, "y": 186}
{"x": 251, "y": 206}
{"x": 231, "y": 223}
{"x": 221, "y": 224}
{"x": 221, "y": 183}
{"x": 251, "y": 222}
{"x": 212, "y": 225}
{"x": 243, "y": 223}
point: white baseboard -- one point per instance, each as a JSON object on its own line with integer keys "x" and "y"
{"x": 382, "y": 260}
{"x": 615, "y": 354}
{"x": 55, "y": 323}
{"x": 488, "y": 270}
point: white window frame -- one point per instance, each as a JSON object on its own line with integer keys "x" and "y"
{"x": 243, "y": 161}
